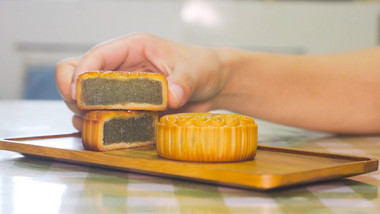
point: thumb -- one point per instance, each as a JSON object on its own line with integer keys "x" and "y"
{"x": 180, "y": 89}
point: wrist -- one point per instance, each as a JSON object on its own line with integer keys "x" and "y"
{"x": 238, "y": 68}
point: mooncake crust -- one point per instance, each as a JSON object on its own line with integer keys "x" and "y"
{"x": 122, "y": 76}
{"x": 207, "y": 137}
{"x": 92, "y": 134}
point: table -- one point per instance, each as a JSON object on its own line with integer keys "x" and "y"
{"x": 30, "y": 185}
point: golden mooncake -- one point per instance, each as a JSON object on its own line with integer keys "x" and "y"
{"x": 121, "y": 90}
{"x": 109, "y": 130}
{"x": 207, "y": 137}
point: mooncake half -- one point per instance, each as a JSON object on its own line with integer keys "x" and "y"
{"x": 122, "y": 90}
{"x": 109, "y": 130}
{"x": 207, "y": 137}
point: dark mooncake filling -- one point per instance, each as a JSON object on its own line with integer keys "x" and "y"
{"x": 99, "y": 91}
{"x": 133, "y": 129}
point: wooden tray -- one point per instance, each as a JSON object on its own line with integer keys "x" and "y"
{"x": 274, "y": 167}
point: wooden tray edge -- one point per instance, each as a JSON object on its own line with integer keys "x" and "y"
{"x": 275, "y": 182}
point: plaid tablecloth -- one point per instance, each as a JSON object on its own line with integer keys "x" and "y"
{"x": 30, "y": 185}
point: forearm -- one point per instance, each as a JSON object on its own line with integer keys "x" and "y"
{"x": 334, "y": 93}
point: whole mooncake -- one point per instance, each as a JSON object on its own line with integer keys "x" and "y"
{"x": 109, "y": 130}
{"x": 121, "y": 90}
{"x": 207, "y": 137}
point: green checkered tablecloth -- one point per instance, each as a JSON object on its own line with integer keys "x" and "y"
{"x": 30, "y": 185}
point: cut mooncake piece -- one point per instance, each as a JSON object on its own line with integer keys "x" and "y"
{"x": 109, "y": 130}
{"x": 207, "y": 137}
{"x": 122, "y": 90}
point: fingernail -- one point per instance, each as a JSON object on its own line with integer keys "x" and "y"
{"x": 177, "y": 92}
{"x": 74, "y": 85}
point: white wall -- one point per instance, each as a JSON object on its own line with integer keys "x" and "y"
{"x": 42, "y": 32}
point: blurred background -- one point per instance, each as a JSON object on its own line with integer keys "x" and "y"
{"x": 35, "y": 35}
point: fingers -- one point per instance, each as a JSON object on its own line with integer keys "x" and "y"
{"x": 78, "y": 122}
{"x": 180, "y": 86}
{"x": 107, "y": 55}
{"x": 63, "y": 75}
{"x": 175, "y": 95}
{"x": 188, "y": 78}
{"x": 196, "y": 76}
{"x": 72, "y": 105}
{"x": 125, "y": 52}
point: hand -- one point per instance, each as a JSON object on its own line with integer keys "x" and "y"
{"x": 194, "y": 73}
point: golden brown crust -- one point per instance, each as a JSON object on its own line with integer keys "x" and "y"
{"x": 207, "y": 137}
{"x": 122, "y": 75}
{"x": 92, "y": 135}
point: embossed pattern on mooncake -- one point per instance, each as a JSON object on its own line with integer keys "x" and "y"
{"x": 207, "y": 137}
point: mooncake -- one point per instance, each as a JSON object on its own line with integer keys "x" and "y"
{"x": 122, "y": 90}
{"x": 207, "y": 137}
{"x": 110, "y": 130}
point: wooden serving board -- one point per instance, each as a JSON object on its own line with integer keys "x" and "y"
{"x": 273, "y": 167}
